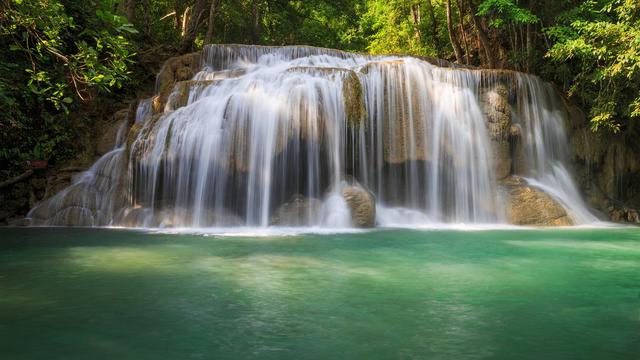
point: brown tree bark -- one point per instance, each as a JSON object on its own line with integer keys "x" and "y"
{"x": 463, "y": 34}
{"x": 145, "y": 18}
{"x": 198, "y": 14}
{"x": 177, "y": 20}
{"x": 16, "y": 179}
{"x": 417, "y": 18}
{"x": 452, "y": 36}
{"x": 128, "y": 8}
{"x": 482, "y": 35}
{"x": 255, "y": 17}
{"x": 213, "y": 11}
{"x": 185, "y": 20}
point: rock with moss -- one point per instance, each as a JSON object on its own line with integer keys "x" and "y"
{"x": 362, "y": 205}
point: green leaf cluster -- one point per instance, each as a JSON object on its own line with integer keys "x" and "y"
{"x": 599, "y": 44}
{"x": 505, "y": 12}
{"x": 54, "y": 54}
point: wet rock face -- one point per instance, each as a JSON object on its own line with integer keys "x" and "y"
{"x": 607, "y": 167}
{"x": 362, "y": 204}
{"x": 499, "y": 126}
{"x": 107, "y": 134}
{"x": 527, "y": 205}
{"x": 178, "y": 217}
{"x": 17, "y": 199}
{"x": 296, "y": 212}
{"x": 176, "y": 69}
{"x": 624, "y": 214}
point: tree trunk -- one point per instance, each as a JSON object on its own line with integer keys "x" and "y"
{"x": 465, "y": 42}
{"x": 482, "y": 35}
{"x": 177, "y": 21}
{"x": 415, "y": 14}
{"x": 255, "y": 17}
{"x": 145, "y": 18}
{"x": 16, "y": 179}
{"x": 185, "y": 20}
{"x": 452, "y": 36}
{"x": 128, "y": 8}
{"x": 529, "y": 46}
{"x": 195, "y": 21}
{"x": 213, "y": 10}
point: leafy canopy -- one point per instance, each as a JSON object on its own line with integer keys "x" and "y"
{"x": 600, "y": 40}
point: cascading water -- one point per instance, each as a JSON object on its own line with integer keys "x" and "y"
{"x": 431, "y": 149}
{"x": 543, "y": 118}
{"x": 292, "y": 135}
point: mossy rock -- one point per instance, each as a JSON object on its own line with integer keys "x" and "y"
{"x": 352, "y": 91}
{"x": 353, "y": 99}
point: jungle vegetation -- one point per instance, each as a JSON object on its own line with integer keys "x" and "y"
{"x": 56, "y": 56}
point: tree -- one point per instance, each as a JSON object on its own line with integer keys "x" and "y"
{"x": 600, "y": 43}
{"x": 49, "y": 61}
{"x": 213, "y": 11}
{"x": 453, "y": 38}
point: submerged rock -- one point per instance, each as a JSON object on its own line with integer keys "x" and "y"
{"x": 178, "y": 217}
{"x": 362, "y": 205}
{"x": 527, "y": 205}
{"x": 298, "y": 211}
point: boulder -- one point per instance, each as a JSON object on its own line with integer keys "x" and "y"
{"x": 527, "y": 205}
{"x": 624, "y": 214}
{"x": 362, "y": 204}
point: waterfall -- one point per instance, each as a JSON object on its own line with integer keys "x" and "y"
{"x": 543, "y": 117}
{"x": 261, "y": 136}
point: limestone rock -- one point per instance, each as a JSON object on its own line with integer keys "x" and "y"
{"x": 353, "y": 99}
{"x": 499, "y": 126}
{"x": 362, "y": 205}
{"x": 176, "y": 69}
{"x": 182, "y": 90}
{"x": 108, "y": 133}
{"x": 607, "y": 165}
{"x": 298, "y": 211}
{"x": 527, "y": 205}
{"x": 624, "y": 214}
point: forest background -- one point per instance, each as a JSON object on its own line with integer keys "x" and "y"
{"x": 61, "y": 61}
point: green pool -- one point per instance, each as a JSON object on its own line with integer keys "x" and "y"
{"x": 386, "y": 294}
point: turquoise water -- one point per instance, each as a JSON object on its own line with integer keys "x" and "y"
{"x": 387, "y": 294}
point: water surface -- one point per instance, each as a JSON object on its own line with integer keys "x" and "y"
{"x": 385, "y": 294}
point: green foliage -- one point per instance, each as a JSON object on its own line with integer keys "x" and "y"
{"x": 600, "y": 43}
{"x": 391, "y": 28}
{"x": 505, "y": 12}
{"x": 54, "y": 53}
